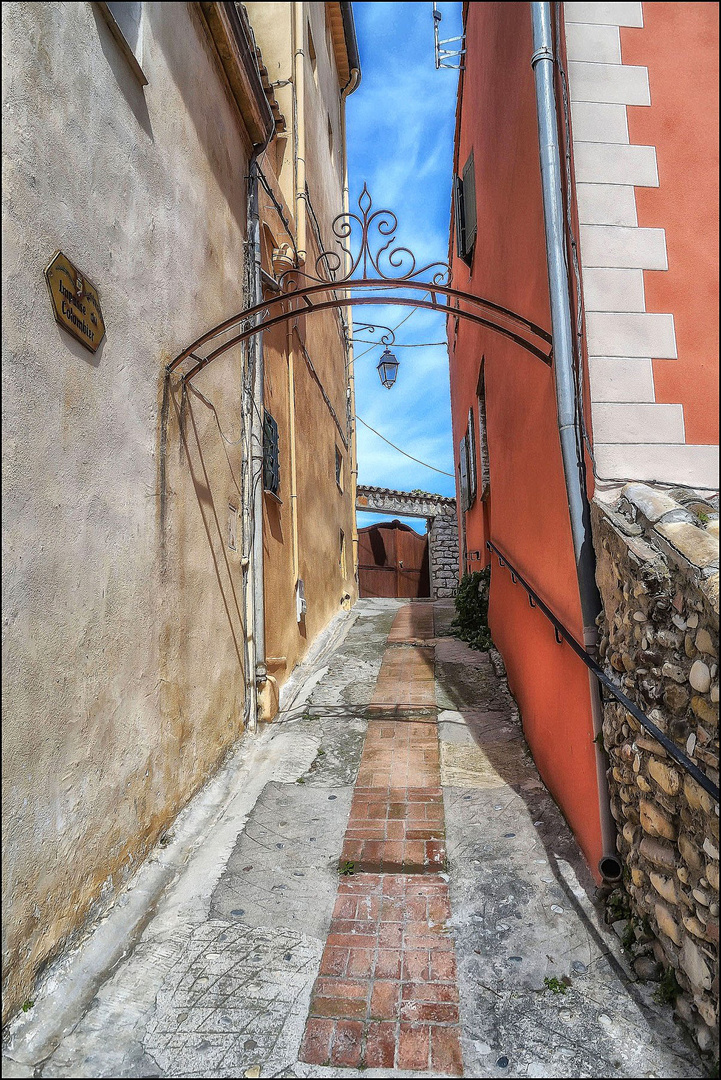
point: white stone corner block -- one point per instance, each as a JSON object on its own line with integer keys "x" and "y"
{"x": 631, "y": 333}
{"x": 612, "y": 163}
{"x": 610, "y": 14}
{"x": 621, "y": 379}
{"x": 606, "y": 204}
{"x": 642, "y": 249}
{"x": 594, "y": 43}
{"x": 621, "y": 84}
{"x": 597, "y": 121}
{"x": 612, "y": 288}
{"x": 637, "y": 423}
{"x": 694, "y": 465}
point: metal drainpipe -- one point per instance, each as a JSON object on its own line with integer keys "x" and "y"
{"x": 347, "y": 90}
{"x": 542, "y": 63}
{"x": 255, "y": 357}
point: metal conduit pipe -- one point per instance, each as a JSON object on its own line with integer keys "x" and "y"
{"x": 543, "y": 66}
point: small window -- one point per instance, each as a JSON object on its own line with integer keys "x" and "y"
{"x": 471, "y": 458}
{"x": 464, "y": 208}
{"x": 126, "y": 24}
{"x": 271, "y": 462}
{"x": 232, "y": 527}
{"x": 339, "y": 468}
{"x": 484, "y": 471}
{"x": 463, "y": 472}
{"x": 341, "y": 558}
{"x": 312, "y": 55}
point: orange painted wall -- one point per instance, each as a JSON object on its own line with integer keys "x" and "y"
{"x": 682, "y": 123}
{"x": 526, "y": 514}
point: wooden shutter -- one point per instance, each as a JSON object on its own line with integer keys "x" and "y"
{"x": 485, "y": 470}
{"x": 459, "y": 217}
{"x": 470, "y": 219}
{"x": 271, "y": 457}
{"x": 463, "y": 467}
{"x": 471, "y": 445}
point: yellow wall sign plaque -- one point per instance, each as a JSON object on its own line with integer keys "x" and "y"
{"x": 75, "y": 300}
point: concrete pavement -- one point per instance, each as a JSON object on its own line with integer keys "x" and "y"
{"x": 379, "y": 880}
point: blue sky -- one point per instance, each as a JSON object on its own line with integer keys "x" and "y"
{"x": 400, "y": 125}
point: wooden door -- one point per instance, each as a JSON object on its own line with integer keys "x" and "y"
{"x": 393, "y": 561}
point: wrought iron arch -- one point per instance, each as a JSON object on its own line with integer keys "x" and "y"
{"x": 352, "y": 271}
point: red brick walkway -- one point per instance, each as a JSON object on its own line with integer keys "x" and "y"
{"x": 386, "y": 995}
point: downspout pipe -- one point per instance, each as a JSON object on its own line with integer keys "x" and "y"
{"x": 301, "y": 212}
{"x": 352, "y": 85}
{"x": 255, "y": 348}
{"x": 543, "y": 65}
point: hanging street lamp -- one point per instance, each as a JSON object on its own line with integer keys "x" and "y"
{"x": 388, "y": 369}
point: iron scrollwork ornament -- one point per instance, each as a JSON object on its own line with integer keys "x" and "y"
{"x": 375, "y": 254}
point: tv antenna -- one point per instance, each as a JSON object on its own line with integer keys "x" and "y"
{"x": 444, "y": 55}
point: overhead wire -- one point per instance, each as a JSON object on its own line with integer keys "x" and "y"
{"x": 405, "y": 454}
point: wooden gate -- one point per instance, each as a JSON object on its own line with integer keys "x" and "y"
{"x": 393, "y": 561}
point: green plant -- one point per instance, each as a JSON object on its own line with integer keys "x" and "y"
{"x": 628, "y": 935}
{"x": 346, "y": 868}
{"x": 27, "y": 1005}
{"x": 668, "y": 989}
{"x": 618, "y": 906}
{"x": 703, "y": 518}
{"x": 471, "y": 600}
{"x": 556, "y": 986}
{"x": 300, "y": 780}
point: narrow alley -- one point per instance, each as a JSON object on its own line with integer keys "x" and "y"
{"x": 379, "y": 881}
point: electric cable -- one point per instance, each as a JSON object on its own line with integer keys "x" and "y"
{"x": 418, "y": 460}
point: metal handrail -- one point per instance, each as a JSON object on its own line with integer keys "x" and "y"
{"x": 562, "y": 634}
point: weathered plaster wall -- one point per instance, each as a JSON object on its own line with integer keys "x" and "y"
{"x": 658, "y": 576}
{"x": 122, "y": 672}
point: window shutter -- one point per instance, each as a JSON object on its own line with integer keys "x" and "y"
{"x": 485, "y": 471}
{"x": 459, "y": 217}
{"x": 471, "y": 458}
{"x": 271, "y": 458}
{"x": 463, "y": 467}
{"x": 469, "y": 204}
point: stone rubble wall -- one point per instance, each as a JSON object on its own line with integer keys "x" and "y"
{"x": 657, "y": 571}
{"x": 443, "y": 556}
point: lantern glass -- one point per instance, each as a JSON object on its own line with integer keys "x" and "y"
{"x": 388, "y": 369}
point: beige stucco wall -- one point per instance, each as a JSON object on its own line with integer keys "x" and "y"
{"x": 323, "y": 510}
{"x": 123, "y": 643}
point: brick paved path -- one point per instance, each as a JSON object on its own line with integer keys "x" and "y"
{"x": 386, "y": 995}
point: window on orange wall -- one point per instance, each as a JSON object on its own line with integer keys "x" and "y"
{"x": 464, "y": 211}
{"x": 484, "y": 470}
{"x": 471, "y": 446}
{"x": 463, "y": 472}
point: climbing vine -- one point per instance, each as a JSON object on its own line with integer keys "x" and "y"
{"x": 471, "y": 621}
